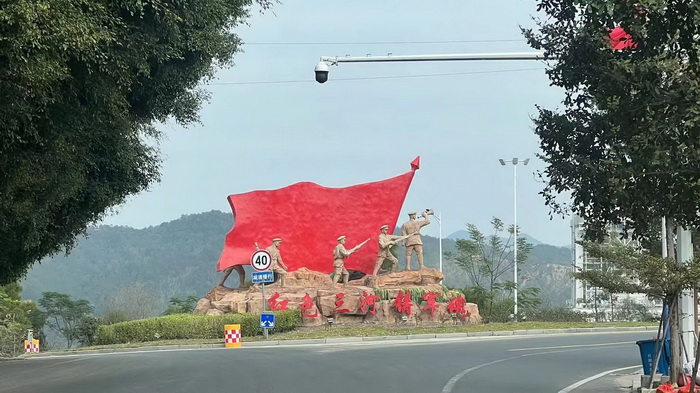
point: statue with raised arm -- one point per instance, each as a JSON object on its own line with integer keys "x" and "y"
{"x": 413, "y": 242}
{"x": 386, "y": 241}
{"x": 339, "y": 255}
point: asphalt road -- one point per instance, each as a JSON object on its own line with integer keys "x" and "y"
{"x": 537, "y": 364}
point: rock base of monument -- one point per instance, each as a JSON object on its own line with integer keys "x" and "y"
{"x": 407, "y": 297}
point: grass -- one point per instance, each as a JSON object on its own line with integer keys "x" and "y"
{"x": 381, "y": 330}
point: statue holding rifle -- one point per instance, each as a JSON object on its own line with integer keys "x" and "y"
{"x": 339, "y": 255}
{"x": 385, "y": 243}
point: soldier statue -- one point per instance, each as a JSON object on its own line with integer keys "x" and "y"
{"x": 339, "y": 255}
{"x": 386, "y": 241}
{"x": 277, "y": 265}
{"x": 413, "y": 242}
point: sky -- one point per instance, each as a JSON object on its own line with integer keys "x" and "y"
{"x": 268, "y": 124}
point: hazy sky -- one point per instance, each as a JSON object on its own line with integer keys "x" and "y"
{"x": 344, "y": 132}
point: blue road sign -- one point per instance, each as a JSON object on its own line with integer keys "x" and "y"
{"x": 267, "y": 321}
{"x": 263, "y": 277}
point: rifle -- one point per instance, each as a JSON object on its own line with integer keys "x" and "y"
{"x": 357, "y": 247}
{"x": 391, "y": 243}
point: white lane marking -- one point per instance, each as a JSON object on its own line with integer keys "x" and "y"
{"x": 589, "y": 379}
{"x": 570, "y": 346}
{"x": 451, "y": 383}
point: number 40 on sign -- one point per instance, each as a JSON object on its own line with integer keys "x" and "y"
{"x": 261, "y": 260}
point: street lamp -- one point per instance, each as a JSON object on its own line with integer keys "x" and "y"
{"x": 439, "y": 218}
{"x": 515, "y": 162}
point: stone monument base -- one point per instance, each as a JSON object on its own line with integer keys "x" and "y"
{"x": 388, "y": 298}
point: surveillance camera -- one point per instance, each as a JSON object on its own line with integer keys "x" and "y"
{"x": 321, "y": 71}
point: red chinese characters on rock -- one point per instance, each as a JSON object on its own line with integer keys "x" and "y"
{"x": 339, "y": 303}
{"x": 307, "y": 304}
{"x": 457, "y": 306}
{"x": 368, "y": 302}
{"x": 275, "y": 305}
{"x": 403, "y": 302}
{"x": 431, "y": 304}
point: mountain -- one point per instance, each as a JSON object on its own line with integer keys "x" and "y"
{"x": 462, "y": 234}
{"x": 178, "y": 259}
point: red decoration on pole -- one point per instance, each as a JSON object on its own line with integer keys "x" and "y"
{"x": 275, "y": 305}
{"x": 307, "y": 304}
{"x": 309, "y": 218}
{"x": 403, "y": 302}
{"x": 368, "y": 301}
{"x": 432, "y": 305}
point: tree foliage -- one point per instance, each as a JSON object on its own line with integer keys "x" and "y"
{"x": 83, "y": 83}
{"x": 660, "y": 278}
{"x": 485, "y": 259}
{"x": 625, "y": 143}
{"x": 181, "y": 306}
{"x": 67, "y": 317}
{"x": 135, "y": 301}
{"x": 16, "y": 316}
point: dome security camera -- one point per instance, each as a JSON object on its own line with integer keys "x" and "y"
{"x": 321, "y": 72}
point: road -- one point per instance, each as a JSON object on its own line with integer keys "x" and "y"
{"x": 537, "y": 364}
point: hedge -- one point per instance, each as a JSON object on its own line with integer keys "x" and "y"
{"x": 189, "y": 326}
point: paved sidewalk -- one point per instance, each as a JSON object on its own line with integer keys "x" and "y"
{"x": 616, "y": 382}
{"x": 341, "y": 340}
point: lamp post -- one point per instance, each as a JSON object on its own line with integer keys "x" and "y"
{"x": 439, "y": 218}
{"x": 515, "y": 162}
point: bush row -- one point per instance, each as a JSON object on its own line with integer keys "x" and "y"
{"x": 188, "y": 326}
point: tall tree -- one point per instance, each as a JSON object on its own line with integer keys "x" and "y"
{"x": 16, "y": 316}
{"x": 83, "y": 85}
{"x": 66, "y": 316}
{"x": 487, "y": 258}
{"x": 625, "y": 144}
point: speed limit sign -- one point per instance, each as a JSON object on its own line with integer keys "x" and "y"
{"x": 261, "y": 260}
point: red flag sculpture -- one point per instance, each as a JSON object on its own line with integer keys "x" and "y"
{"x": 309, "y": 218}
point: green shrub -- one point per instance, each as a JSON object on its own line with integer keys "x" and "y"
{"x": 187, "y": 326}
{"x": 416, "y": 295}
{"x": 556, "y": 315}
{"x": 382, "y": 293}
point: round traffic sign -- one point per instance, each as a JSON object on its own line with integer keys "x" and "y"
{"x": 261, "y": 260}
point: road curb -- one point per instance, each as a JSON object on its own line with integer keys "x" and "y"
{"x": 345, "y": 340}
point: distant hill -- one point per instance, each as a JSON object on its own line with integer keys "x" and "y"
{"x": 178, "y": 258}
{"x": 462, "y": 234}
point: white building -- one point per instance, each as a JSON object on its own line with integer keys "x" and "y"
{"x": 583, "y": 295}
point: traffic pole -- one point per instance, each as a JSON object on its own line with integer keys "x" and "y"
{"x": 263, "y": 309}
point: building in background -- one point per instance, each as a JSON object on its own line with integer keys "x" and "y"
{"x": 587, "y": 298}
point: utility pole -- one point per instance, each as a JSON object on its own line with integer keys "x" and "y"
{"x": 686, "y": 312}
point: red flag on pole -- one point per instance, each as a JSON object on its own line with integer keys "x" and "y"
{"x": 309, "y": 218}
